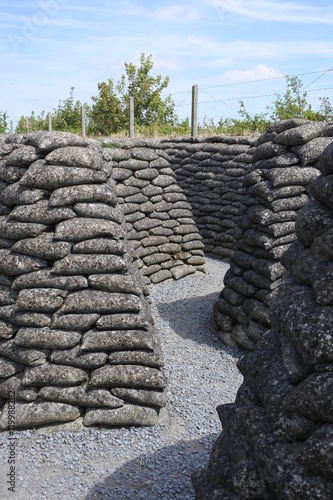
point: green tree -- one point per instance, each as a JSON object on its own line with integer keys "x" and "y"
{"x": 67, "y": 116}
{"x": 294, "y": 104}
{"x": 106, "y": 114}
{"x": 32, "y": 123}
{"x": 3, "y": 122}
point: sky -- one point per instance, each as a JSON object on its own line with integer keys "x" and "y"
{"x": 231, "y": 49}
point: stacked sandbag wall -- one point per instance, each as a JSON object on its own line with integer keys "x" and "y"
{"x": 284, "y": 162}
{"x": 77, "y": 341}
{"x": 210, "y": 171}
{"x": 161, "y": 229}
{"x": 277, "y": 438}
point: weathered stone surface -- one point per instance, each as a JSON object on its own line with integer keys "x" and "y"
{"x": 15, "y": 194}
{"x": 100, "y": 211}
{"x": 96, "y": 301}
{"x": 123, "y": 321}
{"x": 40, "y": 299}
{"x": 88, "y": 264}
{"x": 87, "y": 228}
{"x": 17, "y": 230}
{"x": 85, "y": 193}
{"x": 29, "y": 357}
{"x": 46, "y": 279}
{"x": 126, "y": 415}
{"x": 116, "y": 340}
{"x": 46, "y": 338}
{"x": 42, "y": 247}
{"x": 141, "y": 396}
{"x": 48, "y": 141}
{"x": 78, "y": 358}
{"x": 115, "y": 283}
{"x": 9, "y": 367}
{"x": 128, "y": 376}
{"x": 81, "y": 396}
{"x": 13, "y": 264}
{"x": 49, "y": 374}
{"x": 28, "y": 415}
{"x": 74, "y": 156}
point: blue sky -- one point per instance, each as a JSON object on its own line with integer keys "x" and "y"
{"x": 48, "y": 46}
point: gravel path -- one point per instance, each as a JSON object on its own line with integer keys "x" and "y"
{"x": 143, "y": 463}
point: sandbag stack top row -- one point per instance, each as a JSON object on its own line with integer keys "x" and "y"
{"x": 160, "y": 224}
{"x": 77, "y": 341}
{"x": 277, "y": 437}
{"x": 211, "y": 175}
{"x": 284, "y": 162}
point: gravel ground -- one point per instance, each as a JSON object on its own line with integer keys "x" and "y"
{"x": 151, "y": 462}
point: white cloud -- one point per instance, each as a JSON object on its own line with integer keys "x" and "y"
{"x": 258, "y": 72}
{"x": 176, "y": 13}
{"x": 275, "y": 10}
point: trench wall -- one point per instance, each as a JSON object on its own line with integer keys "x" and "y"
{"x": 278, "y": 434}
{"x": 77, "y": 340}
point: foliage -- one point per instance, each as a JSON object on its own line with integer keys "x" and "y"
{"x": 3, "y": 122}
{"x": 106, "y": 114}
{"x": 67, "y": 116}
{"x": 294, "y": 104}
{"x": 32, "y": 123}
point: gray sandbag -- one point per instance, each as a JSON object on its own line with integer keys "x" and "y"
{"x": 262, "y": 368}
{"x": 85, "y": 193}
{"x": 322, "y": 190}
{"x": 39, "y": 413}
{"x": 15, "y": 194}
{"x": 323, "y": 244}
{"x": 271, "y": 269}
{"x": 95, "y": 301}
{"x": 45, "y": 279}
{"x": 290, "y": 203}
{"x": 7, "y": 330}
{"x": 30, "y": 319}
{"x": 50, "y": 374}
{"x": 141, "y": 396}
{"x": 13, "y": 264}
{"x": 74, "y": 156}
{"x": 43, "y": 247}
{"x": 78, "y": 358}
{"x": 7, "y": 296}
{"x": 100, "y": 211}
{"x": 143, "y": 358}
{"x": 257, "y": 310}
{"x": 41, "y": 213}
{"x": 147, "y": 174}
{"x": 311, "y": 151}
{"x": 18, "y": 230}
{"x": 88, "y": 264}
{"x": 116, "y": 340}
{"x": 291, "y": 176}
{"x": 126, "y": 415}
{"x": 312, "y": 397}
{"x": 28, "y": 357}
{"x": 268, "y": 150}
{"x": 266, "y": 191}
{"x": 301, "y": 134}
{"x": 241, "y": 287}
{"x": 304, "y": 322}
{"x": 74, "y": 321}
{"x": 133, "y": 164}
{"x": 100, "y": 245}
{"x": 316, "y": 452}
{"x": 48, "y": 141}
{"x": 116, "y": 154}
{"x": 46, "y": 300}
{"x": 11, "y": 174}
{"x": 263, "y": 216}
{"x": 46, "y": 338}
{"x": 22, "y": 156}
{"x": 312, "y": 221}
{"x": 85, "y": 228}
{"x": 122, "y": 321}
{"x": 81, "y": 396}
{"x": 116, "y": 283}
{"x": 41, "y": 175}
{"x": 277, "y": 229}
{"x": 260, "y": 281}
{"x": 132, "y": 376}
{"x": 322, "y": 283}
{"x": 325, "y": 163}
{"x": 280, "y": 161}
{"x": 9, "y": 367}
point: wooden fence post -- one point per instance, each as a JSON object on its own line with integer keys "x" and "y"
{"x": 27, "y": 123}
{"x": 49, "y": 121}
{"x": 11, "y": 127}
{"x": 83, "y": 122}
{"x": 194, "y": 120}
{"x": 131, "y": 117}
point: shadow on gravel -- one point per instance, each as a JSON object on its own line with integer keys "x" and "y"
{"x": 190, "y": 317}
{"x": 164, "y": 475}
